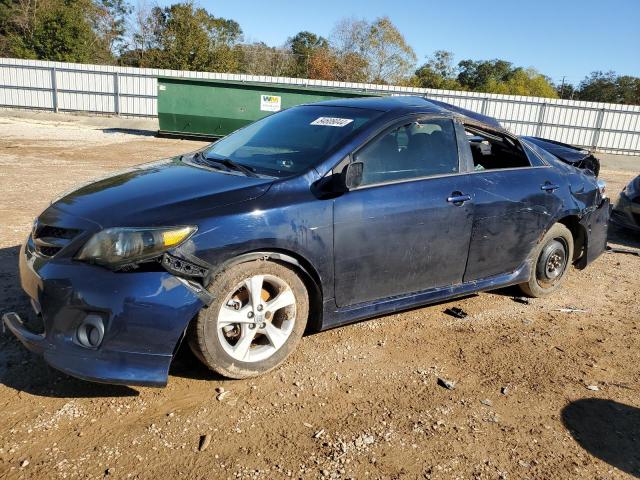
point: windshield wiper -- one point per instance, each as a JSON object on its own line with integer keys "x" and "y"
{"x": 196, "y": 157}
{"x": 230, "y": 164}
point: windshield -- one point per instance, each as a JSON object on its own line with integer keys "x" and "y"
{"x": 290, "y": 141}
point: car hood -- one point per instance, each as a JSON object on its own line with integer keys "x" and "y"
{"x": 159, "y": 193}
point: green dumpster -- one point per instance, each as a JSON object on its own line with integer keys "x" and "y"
{"x": 214, "y": 108}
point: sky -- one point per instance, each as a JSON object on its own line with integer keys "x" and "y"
{"x": 560, "y": 38}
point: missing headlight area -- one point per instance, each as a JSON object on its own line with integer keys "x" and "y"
{"x": 182, "y": 267}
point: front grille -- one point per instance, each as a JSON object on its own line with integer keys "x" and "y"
{"x": 56, "y": 232}
{"x": 47, "y": 251}
{"x": 50, "y": 239}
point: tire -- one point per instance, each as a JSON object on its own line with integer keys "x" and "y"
{"x": 269, "y": 331}
{"x": 550, "y": 261}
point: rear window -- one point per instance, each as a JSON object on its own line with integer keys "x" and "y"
{"x": 293, "y": 140}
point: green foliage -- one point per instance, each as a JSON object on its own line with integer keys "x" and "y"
{"x": 438, "y": 72}
{"x": 477, "y": 75}
{"x": 52, "y": 30}
{"x": 609, "y": 87}
{"x": 491, "y": 76}
{"x": 186, "y": 37}
{"x": 522, "y": 82}
{"x": 565, "y": 90}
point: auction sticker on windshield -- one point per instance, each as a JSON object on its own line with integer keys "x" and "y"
{"x": 270, "y": 103}
{"x": 332, "y": 121}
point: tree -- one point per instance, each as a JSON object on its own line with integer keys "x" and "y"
{"x": 565, "y": 90}
{"x": 142, "y": 36}
{"x": 185, "y": 37}
{"x": 477, "y": 74}
{"x": 61, "y": 30}
{"x": 351, "y": 67}
{"x": 438, "y": 72}
{"x": 378, "y": 45}
{"x": 391, "y": 58}
{"x": 302, "y": 46}
{"x": 500, "y": 76}
{"x": 260, "y": 59}
{"x": 628, "y": 89}
{"x": 349, "y": 35}
{"x": 111, "y": 23}
{"x": 322, "y": 64}
{"x": 182, "y": 37}
{"x": 609, "y": 87}
{"x": 523, "y": 82}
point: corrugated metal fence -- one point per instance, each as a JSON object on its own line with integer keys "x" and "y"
{"x": 56, "y": 86}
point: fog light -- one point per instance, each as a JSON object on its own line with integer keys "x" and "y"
{"x": 90, "y": 332}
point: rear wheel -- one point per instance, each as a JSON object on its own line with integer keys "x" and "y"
{"x": 258, "y": 316}
{"x": 550, "y": 261}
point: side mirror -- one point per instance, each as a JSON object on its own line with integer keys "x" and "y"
{"x": 352, "y": 175}
{"x": 338, "y": 181}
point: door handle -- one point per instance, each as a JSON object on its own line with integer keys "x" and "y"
{"x": 458, "y": 198}
{"x": 549, "y": 187}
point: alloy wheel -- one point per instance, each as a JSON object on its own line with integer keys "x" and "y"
{"x": 257, "y": 318}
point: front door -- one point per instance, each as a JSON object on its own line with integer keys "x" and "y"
{"x": 407, "y": 227}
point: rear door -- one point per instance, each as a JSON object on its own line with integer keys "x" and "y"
{"x": 515, "y": 198}
{"x": 407, "y": 227}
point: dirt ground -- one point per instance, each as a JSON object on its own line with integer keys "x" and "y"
{"x": 539, "y": 393}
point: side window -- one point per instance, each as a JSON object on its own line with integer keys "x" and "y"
{"x": 418, "y": 149}
{"x": 493, "y": 151}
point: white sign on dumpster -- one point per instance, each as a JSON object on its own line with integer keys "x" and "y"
{"x": 270, "y": 103}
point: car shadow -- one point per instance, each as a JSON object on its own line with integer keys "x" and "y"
{"x": 131, "y": 131}
{"x": 607, "y": 430}
{"x": 186, "y": 365}
{"x": 512, "y": 291}
{"x": 24, "y": 371}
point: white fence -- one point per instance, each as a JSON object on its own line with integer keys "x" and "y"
{"x": 56, "y": 86}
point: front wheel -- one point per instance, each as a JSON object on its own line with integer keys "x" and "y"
{"x": 258, "y": 316}
{"x": 550, "y": 262}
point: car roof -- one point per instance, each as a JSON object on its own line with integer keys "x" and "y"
{"x": 403, "y": 104}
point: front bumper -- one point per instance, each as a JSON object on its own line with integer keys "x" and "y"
{"x": 144, "y": 314}
{"x": 626, "y": 213}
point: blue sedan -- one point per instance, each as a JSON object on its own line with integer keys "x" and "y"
{"x": 311, "y": 218}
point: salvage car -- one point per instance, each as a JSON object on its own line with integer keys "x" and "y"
{"x": 311, "y": 218}
{"x": 626, "y": 212}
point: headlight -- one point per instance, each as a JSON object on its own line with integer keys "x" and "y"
{"x": 115, "y": 247}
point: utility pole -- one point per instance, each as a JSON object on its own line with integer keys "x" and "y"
{"x": 562, "y": 88}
